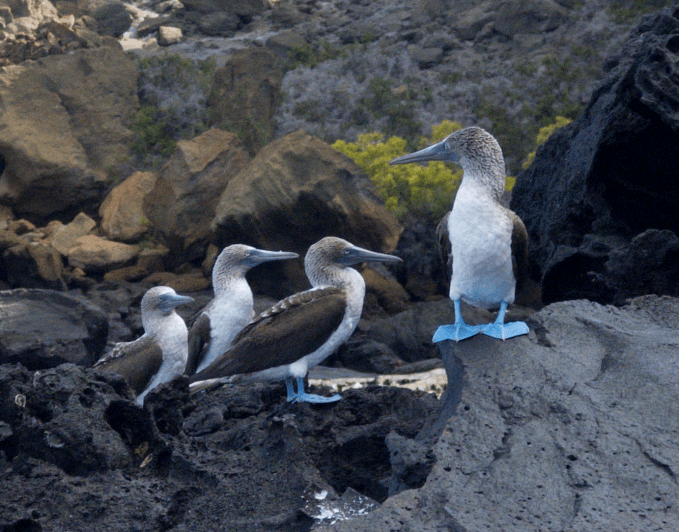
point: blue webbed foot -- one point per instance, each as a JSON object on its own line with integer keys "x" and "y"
{"x": 457, "y": 332}
{"x": 503, "y": 331}
{"x": 312, "y": 398}
{"x": 302, "y": 397}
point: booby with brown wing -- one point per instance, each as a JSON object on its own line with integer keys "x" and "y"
{"x": 302, "y": 330}
{"x": 160, "y": 354}
{"x": 232, "y": 307}
{"x": 488, "y": 242}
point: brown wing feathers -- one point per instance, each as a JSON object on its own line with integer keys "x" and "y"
{"x": 282, "y": 334}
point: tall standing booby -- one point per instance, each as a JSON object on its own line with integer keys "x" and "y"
{"x": 302, "y": 330}
{"x": 232, "y": 307}
{"x": 488, "y": 242}
{"x": 160, "y": 354}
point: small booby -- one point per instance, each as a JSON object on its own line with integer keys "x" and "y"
{"x": 302, "y": 330}
{"x": 160, "y": 354}
{"x": 232, "y": 307}
{"x": 488, "y": 242}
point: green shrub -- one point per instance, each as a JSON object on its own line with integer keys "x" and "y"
{"x": 627, "y": 11}
{"x": 421, "y": 191}
{"x": 310, "y": 56}
{"x": 542, "y": 136}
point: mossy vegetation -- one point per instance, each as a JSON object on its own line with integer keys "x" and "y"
{"x": 311, "y": 56}
{"x": 628, "y": 11}
{"x": 410, "y": 189}
{"x": 172, "y": 91}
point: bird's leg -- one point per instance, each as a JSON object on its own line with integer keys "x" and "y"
{"x": 502, "y": 330}
{"x": 303, "y": 397}
{"x": 459, "y": 330}
{"x": 292, "y": 396}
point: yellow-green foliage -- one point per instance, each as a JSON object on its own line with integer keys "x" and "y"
{"x": 543, "y": 135}
{"x": 423, "y": 191}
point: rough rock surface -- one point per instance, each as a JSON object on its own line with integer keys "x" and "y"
{"x": 122, "y": 214}
{"x": 598, "y": 185}
{"x": 33, "y": 265}
{"x": 239, "y": 455}
{"x": 64, "y": 237}
{"x": 64, "y": 125}
{"x": 296, "y": 191}
{"x": 245, "y": 93}
{"x": 567, "y": 429}
{"x": 95, "y": 254}
{"x": 43, "y": 328}
{"x": 183, "y": 201}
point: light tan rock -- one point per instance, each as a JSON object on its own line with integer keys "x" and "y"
{"x": 168, "y": 35}
{"x": 64, "y": 127}
{"x": 183, "y": 201}
{"x": 122, "y": 215}
{"x": 95, "y": 254}
{"x": 64, "y": 237}
{"x": 6, "y": 214}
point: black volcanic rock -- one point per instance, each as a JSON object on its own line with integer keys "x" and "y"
{"x": 45, "y": 328}
{"x": 601, "y": 181}
{"x": 239, "y": 458}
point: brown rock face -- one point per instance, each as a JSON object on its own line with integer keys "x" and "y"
{"x": 122, "y": 216}
{"x": 63, "y": 126}
{"x": 296, "y": 191}
{"x": 94, "y": 254}
{"x": 245, "y": 93}
{"x": 183, "y": 201}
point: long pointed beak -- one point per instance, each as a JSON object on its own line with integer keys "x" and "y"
{"x": 435, "y": 152}
{"x": 169, "y": 302}
{"x": 356, "y": 255}
{"x": 259, "y": 256}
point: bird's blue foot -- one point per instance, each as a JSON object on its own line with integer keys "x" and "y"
{"x": 457, "y": 332}
{"x": 302, "y": 397}
{"x": 503, "y": 331}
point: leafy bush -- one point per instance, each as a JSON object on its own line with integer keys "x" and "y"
{"x": 310, "y": 56}
{"x": 421, "y": 191}
{"x": 172, "y": 91}
{"x": 542, "y": 136}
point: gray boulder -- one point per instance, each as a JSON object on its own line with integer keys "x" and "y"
{"x": 44, "y": 328}
{"x": 605, "y": 179}
{"x": 569, "y": 428}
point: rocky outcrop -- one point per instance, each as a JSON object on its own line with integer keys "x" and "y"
{"x": 42, "y": 329}
{"x": 600, "y": 184}
{"x": 183, "y": 201}
{"x": 122, "y": 213}
{"x": 245, "y": 93}
{"x": 64, "y": 237}
{"x": 64, "y": 126}
{"x": 240, "y": 454}
{"x": 564, "y": 429}
{"x": 296, "y": 191}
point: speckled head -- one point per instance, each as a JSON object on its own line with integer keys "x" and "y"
{"x": 473, "y": 148}
{"x": 332, "y": 253}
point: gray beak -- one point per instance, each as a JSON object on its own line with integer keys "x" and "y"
{"x": 259, "y": 256}
{"x": 168, "y": 302}
{"x": 356, "y": 255}
{"x": 435, "y": 152}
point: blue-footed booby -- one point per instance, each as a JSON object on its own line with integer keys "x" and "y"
{"x": 232, "y": 307}
{"x": 160, "y": 354}
{"x": 302, "y": 330}
{"x": 488, "y": 242}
